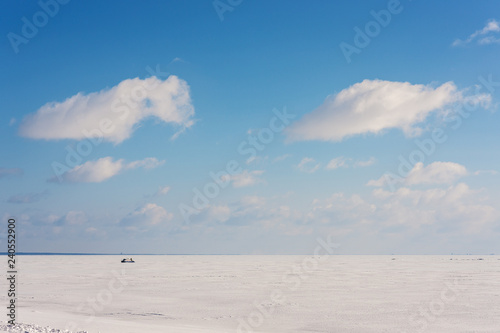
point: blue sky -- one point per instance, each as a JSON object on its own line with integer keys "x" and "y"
{"x": 390, "y": 148}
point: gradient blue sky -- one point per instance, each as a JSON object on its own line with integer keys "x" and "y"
{"x": 354, "y": 120}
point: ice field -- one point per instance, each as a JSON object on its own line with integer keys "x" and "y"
{"x": 258, "y": 294}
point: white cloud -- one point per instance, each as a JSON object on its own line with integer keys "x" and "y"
{"x": 373, "y": 106}
{"x": 213, "y": 214}
{"x": 345, "y": 162}
{"x": 385, "y": 179}
{"x": 148, "y": 215}
{"x": 102, "y": 169}
{"x": 266, "y": 212}
{"x": 147, "y": 163}
{"x": 435, "y": 173}
{"x": 362, "y": 164}
{"x": 487, "y": 172}
{"x": 93, "y": 232}
{"x": 177, "y": 59}
{"x": 219, "y": 213}
{"x": 75, "y": 217}
{"x": 245, "y": 178}
{"x": 340, "y": 209}
{"x": 486, "y": 35}
{"x": 163, "y": 190}
{"x": 456, "y": 207}
{"x": 337, "y": 163}
{"x": 112, "y": 114}
{"x": 49, "y": 219}
{"x": 308, "y": 164}
{"x": 253, "y": 201}
{"x": 435, "y": 211}
{"x": 281, "y": 158}
{"x": 256, "y": 159}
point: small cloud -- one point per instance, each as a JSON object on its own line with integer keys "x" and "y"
{"x": 50, "y": 219}
{"x": 4, "y": 172}
{"x": 146, "y": 216}
{"x": 282, "y": 158}
{"x": 26, "y": 198}
{"x": 345, "y": 162}
{"x": 256, "y": 159}
{"x": 75, "y": 218}
{"x": 95, "y": 232}
{"x": 147, "y": 163}
{"x": 362, "y": 164}
{"x": 102, "y": 169}
{"x": 253, "y": 200}
{"x": 12, "y": 121}
{"x": 485, "y": 172}
{"x": 245, "y": 178}
{"x": 308, "y": 165}
{"x": 177, "y": 59}
{"x": 219, "y": 213}
{"x": 163, "y": 190}
{"x": 337, "y": 163}
{"x": 385, "y": 179}
{"x": 434, "y": 174}
{"x": 486, "y": 35}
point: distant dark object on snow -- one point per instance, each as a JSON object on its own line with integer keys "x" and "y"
{"x": 127, "y": 260}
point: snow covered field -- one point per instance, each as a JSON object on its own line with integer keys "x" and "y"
{"x": 258, "y": 294}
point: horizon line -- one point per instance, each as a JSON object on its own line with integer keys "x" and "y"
{"x": 231, "y": 254}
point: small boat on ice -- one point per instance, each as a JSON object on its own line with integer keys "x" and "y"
{"x": 127, "y": 261}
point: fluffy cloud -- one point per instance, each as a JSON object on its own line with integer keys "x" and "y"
{"x": 452, "y": 208}
{"x": 373, "y": 106}
{"x": 449, "y": 211}
{"x": 4, "y": 172}
{"x": 337, "y": 163}
{"x": 147, "y": 163}
{"x": 219, "y": 213}
{"x": 212, "y": 215}
{"x": 266, "y": 212}
{"x": 344, "y": 162}
{"x": 102, "y": 169}
{"x": 75, "y": 218}
{"x": 146, "y": 216}
{"x": 308, "y": 164}
{"x": 486, "y": 35}
{"x": 163, "y": 190}
{"x": 362, "y": 164}
{"x": 112, "y": 114}
{"x": 434, "y": 174}
{"x": 340, "y": 209}
{"x": 281, "y": 158}
{"x": 487, "y": 172}
{"x": 245, "y": 178}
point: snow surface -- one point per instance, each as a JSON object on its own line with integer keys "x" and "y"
{"x": 257, "y": 294}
